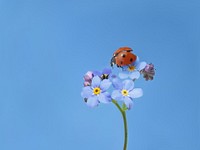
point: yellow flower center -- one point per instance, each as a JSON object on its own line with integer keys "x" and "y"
{"x": 131, "y": 68}
{"x": 96, "y": 90}
{"x": 124, "y": 92}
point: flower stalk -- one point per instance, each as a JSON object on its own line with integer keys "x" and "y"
{"x": 123, "y": 112}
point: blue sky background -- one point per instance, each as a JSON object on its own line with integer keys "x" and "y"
{"x": 46, "y": 46}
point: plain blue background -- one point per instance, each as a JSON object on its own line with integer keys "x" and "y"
{"x": 46, "y": 46}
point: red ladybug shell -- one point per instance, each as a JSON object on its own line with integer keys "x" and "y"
{"x": 123, "y": 57}
{"x": 121, "y": 49}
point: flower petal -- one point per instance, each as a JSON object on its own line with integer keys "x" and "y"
{"x": 117, "y": 84}
{"x": 92, "y": 101}
{"x": 96, "y": 73}
{"x": 124, "y": 75}
{"x": 134, "y": 75}
{"x": 141, "y": 65}
{"x": 96, "y": 81}
{"x": 104, "y": 97}
{"x": 108, "y": 95}
{"x": 128, "y": 85}
{"x": 137, "y": 60}
{"x": 125, "y": 68}
{"x": 116, "y": 95}
{"x": 105, "y": 84}
{"x": 128, "y": 102}
{"x": 86, "y": 92}
{"x": 136, "y": 93}
{"x": 106, "y": 71}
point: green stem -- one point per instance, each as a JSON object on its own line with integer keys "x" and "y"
{"x": 123, "y": 112}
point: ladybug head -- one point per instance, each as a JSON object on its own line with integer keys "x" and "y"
{"x": 112, "y": 61}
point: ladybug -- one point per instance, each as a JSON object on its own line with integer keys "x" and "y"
{"x": 122, "y": 57}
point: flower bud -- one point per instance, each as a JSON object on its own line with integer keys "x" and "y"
{"x": 148, "y": 72}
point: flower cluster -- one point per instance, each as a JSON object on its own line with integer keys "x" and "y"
{"x": 105, "y": 86}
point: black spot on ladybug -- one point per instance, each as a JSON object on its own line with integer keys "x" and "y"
{"x": 123, "y": 55}
{"x": 131, "y": 59}
{"x": 121, "y": 62}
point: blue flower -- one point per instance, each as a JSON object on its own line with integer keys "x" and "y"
{"x": 132, "y": 71}
{"x": 105, "y": 74}
{"x": 125, "y": 92}
{"x": 96, "y": 92}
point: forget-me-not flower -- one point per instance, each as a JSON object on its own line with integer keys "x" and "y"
{"x": 125, "y": 92}
{"x": 97, "y": 92}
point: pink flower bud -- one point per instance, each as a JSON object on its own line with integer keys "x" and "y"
{"x": 88, "y": 78}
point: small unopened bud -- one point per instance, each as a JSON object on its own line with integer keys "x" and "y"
{"x": 88, "y": 78}
{"x": 148, "y": 72}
